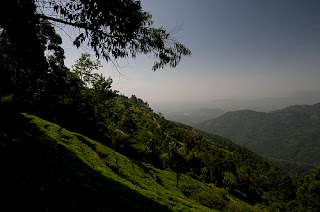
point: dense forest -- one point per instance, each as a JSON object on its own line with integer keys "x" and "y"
{"x": 289, "y": 136}
{"x": 68, "y": 142}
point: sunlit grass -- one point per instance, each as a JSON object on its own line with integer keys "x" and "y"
{"x": 113, "y": 169}
{"x": 150, "y": 182}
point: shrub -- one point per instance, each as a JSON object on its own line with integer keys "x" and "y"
{"x": 211, "y": 199}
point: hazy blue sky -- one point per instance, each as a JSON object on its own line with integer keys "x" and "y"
{"x": 240, "y": 49}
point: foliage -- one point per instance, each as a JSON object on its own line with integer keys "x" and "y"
{"x": 289, "y": 136}
{"x": 88, "y": 175}
{"x": 115, "y": 29}
{"x": 83, "y": 68}
{"x": 139, "y": 160}
{"x": 144, "y": 136}
{"x": 129, "y": 126}
{"x": 308, "y": 193}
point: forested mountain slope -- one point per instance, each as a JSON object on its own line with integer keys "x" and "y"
{"x": 289, "y": 134}
{"x": 52, "y": 169}
{"x": 47, "y": 168}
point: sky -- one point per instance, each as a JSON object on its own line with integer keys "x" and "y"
{"x": 240, "y": 49}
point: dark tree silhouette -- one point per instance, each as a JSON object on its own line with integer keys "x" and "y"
{"x": 115, "y": 29}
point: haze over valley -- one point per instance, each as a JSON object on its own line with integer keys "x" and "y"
{"x": 192, "y": 113}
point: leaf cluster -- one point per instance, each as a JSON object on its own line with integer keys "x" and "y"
{"x": 116, "y": 29}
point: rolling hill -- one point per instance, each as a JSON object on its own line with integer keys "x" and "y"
{"x": 144, "y": 163}
{"x": 48, "y": 168}
{"x": 290, "y": 134}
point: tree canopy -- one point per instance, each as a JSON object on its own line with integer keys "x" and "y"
{"x": 32, "y": 59}
{"x": 112, "y": 28}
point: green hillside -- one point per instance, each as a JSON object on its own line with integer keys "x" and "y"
{"x": 290, "y": 134}
{"x": 46, "y": 166}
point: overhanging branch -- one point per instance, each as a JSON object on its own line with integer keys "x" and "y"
{"x": 78, "y": 25}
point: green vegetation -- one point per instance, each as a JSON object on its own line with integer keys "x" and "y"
{"x": 213, "y": 173}
{"x": 289, "y": 136}
{"x": 135, "y": 160}
{"x": 79, "y": 169}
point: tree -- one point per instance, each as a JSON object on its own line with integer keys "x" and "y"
{"x": 32, "y": 67}
{"x": 308, "y": 194}
{"x": 115, "y": 29}
{"x": 83, "y": 68}
{"x": 314, "y": 194}
{"x": 177, "y": 151}
{"x": 21, "y": 27}
{"x": 96, "y": 88}
{"x": 229, "y": 180}
{"x": 112, "y": 28}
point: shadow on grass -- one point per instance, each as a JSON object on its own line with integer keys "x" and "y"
{"x": 39, "y": 175}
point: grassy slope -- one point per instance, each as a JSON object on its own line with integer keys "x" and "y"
{"x": 91, "y": 175}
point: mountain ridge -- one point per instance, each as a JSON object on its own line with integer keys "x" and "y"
{"x": 282, "y": 134}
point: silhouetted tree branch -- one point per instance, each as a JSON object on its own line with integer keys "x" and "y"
{"x": 116, "y": 29}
